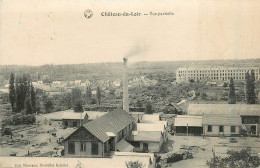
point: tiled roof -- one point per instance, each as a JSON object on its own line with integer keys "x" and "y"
{"x": 114, "y": 122}
{"x": 186, "y": 120}
{"x": 234, "y": 120}
{"x": 229, "y": 109}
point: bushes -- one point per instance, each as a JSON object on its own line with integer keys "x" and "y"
{"x": 20, "y": 119}
{"x": 242, "y": 158}
{"x": 174, "y": 157}
{"x": 134, "y": 164}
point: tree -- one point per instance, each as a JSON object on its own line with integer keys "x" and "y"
{"x": 75, "y": 95}
{"x": 232, "y": 94}
{"x": 148, "y": 108}
{"x": 89, "y": 95}
{"x": 33, "y": 99}
{"x": 78, "y": 106}
{"x": 99, "y": 95}
{"x": 28, "y": 106}
{"x": 48, "y": 105}
{"x": 250, "y": 88}
{"x": 22, "y": 84}
{"x": 66, "y": 100}
{"x": 12, "y": 95}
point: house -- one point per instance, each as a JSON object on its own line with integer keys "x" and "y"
{"x": 87, "y": 82}
{"x": 99, "y": 137}
{"x": 74, "y": 119}
{"x": 94, "y": 92}
{"x": 77, "y": 82}
{"x": 7, "y": 85}
{"x": 153, "y": 127}
{"x": 153, "y": 119}
{"x": 56, "y": 82}
{"x": 93, "y": 115}
{"x": 221, "y": 125}
{"x": 146, "y": 141}
{"x": 117, "y": 83}
{"x": 188, "y": 125}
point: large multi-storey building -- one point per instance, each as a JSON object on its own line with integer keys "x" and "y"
{"x": 220, "y": 73}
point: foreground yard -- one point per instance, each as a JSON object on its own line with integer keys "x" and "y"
{"x": 202, "y": 148}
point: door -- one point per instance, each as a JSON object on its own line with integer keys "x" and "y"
{"x": 253, "y": 130}
{"x": 94, "y": 148}
{"x": 71, "y": 146}
{"x": 111, "y": 144}
{"x": 145, "y": 147}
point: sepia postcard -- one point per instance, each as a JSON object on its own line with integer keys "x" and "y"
{"x": 129, "y": 84}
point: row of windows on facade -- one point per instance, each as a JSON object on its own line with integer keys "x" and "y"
{"x": 94, "y": 147}
{"x": 214, "y": 74}
{"x": 217, "y": 77}
{"x": 221, "y": 128}
{"x": 217, "y": 71}
{"x": 235, "y": 74}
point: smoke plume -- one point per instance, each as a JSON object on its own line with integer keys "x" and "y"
{"x": 136, "y": 50}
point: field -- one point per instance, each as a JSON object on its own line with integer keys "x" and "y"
{"x": 42, "y": 139}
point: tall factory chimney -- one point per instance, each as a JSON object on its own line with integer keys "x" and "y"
{"x": 125, "y": 87}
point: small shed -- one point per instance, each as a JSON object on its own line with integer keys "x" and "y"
{"x": 74, "y": 119}
{"x": 146, "y": 141}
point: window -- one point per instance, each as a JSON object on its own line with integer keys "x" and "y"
{"x": 71, "y": 146}
{"x": 232, "y": 129}
{"x": 94, "y": 148}
{"x": 82, "y": 146}
{"x": 74, "y": 124}
{"x": 209, "y": 128}
{"x": 221, "y": 128}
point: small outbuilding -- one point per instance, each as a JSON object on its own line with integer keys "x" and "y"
{"x": 74, "y": 119}
{"x": 146, "y": 141}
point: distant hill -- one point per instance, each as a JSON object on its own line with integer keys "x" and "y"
{"x": 110, "y": 70}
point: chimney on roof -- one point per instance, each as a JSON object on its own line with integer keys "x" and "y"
{"x": 125, "y": 87}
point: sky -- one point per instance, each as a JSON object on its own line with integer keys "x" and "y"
{"x": 37, "y": 32}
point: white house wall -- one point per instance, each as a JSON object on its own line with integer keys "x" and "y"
{"x": 215, "y": 131}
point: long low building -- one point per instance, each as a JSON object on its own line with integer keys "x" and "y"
{"x": 188, "y": 125}
{"x": 248, "y": 114}
{"x": 219, "y": 73}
